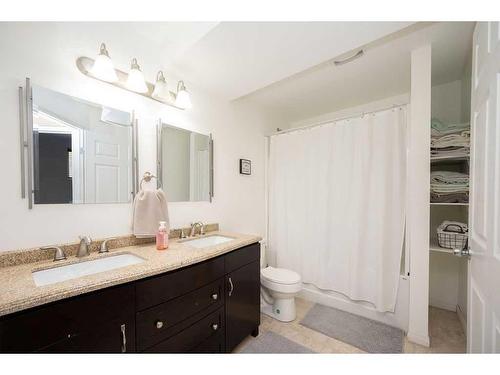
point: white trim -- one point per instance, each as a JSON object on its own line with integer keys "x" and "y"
{"x": 442, "y": 305}
{"x": 420, "y": 340}
{"x": 462, "y": 318}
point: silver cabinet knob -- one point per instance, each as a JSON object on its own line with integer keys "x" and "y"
{"x": 215, "y": 326}
{"x": 159, "y": 324}
{"x": 215, "y": 296}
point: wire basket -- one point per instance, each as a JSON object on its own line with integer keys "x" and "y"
{"x": 452, "y": 236}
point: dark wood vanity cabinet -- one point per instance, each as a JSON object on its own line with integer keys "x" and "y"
{"x": 242, "y": 296}
{"x": 98, "y": 322}
{"x": 209, "y": 307}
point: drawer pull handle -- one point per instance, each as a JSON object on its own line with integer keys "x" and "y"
{"x": 159, "y": 324}
{"x": 215, "y": 296}
{"x": 231, "y": 286}
{"x": 124, "y": 338}
{"x": 215, "y": 326}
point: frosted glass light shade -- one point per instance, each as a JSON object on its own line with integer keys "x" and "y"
{"x": 135, "y": 80}
{"x": 161, "y": 91}
{"x": 183, "y": 99}
{"x": 103, "y": 66}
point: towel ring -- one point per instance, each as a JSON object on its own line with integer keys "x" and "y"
{"x": 148, "y": 176}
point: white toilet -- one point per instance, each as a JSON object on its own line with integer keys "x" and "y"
{"x": 278, "y": 290}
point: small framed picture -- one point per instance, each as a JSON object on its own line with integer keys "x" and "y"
{"x": 245, "y": 166}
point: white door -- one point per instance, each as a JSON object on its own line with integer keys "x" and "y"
{"x": 107, "y": 156}
{"x": 483, "y": 326}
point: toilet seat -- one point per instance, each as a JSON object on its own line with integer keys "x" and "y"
{"x": 280, "y": 280}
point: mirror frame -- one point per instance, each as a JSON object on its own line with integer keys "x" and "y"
{"x": 26, "y": 141}
{"x": 159, "y": 157}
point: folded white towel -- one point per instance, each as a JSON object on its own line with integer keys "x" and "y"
{"x": 150, "y": 207}
{"x": 451, "y": 140}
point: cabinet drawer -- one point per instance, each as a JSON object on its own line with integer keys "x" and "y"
{"x": 52, "y": 324}
{"x": 241, "y": 257}
{"x": 152, "y": 325}
{"x": 163, "y": 288}
{"x": 193, "y": 336}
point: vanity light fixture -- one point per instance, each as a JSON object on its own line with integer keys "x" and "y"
{"x": 160, "y": 91}
{"x": 102, "y": 69}
{"x": 135, "y": 79}
{"x": 183, "y": 99}
{"x": 103, "y": 66}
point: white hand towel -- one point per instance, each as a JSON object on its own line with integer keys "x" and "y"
{"x": 150, "y": 207}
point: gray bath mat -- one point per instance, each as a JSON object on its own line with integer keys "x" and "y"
{"x": 270, "y": 342}
{"x": 363, "y": 333}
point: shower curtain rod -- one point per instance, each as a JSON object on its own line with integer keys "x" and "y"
{"x": 363, "y": 113}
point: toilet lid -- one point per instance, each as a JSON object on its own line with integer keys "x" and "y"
{"x": 280, "y": 275}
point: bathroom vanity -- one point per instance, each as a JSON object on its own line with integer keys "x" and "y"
{"x": 209, "y": 306}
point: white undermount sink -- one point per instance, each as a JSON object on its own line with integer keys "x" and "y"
{"x": 207, "y": 241}
{"x": 89, "y": 267}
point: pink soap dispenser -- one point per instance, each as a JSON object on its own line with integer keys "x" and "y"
{"x": 162, "y": 236}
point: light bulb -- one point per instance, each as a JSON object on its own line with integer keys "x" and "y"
{"x": 160, "y": 91}
{"x": 135, "y": 80}
{"x": 103, "y": 66}
{"x": 183, "y": 99}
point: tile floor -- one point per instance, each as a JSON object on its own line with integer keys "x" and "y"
{"x": 445, "y": 330}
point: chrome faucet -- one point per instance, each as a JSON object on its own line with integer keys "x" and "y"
{"x": 83, "y": 250}
{"x": 59, "y": 253}
{"x": 193, "y": 228}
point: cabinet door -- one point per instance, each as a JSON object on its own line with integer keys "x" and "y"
{"x": 108, "y": 337}
{"x": 242, "y": 303}
{"x": 61, "y": 325}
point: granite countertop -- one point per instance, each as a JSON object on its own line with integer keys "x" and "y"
{"x": 19, "y": 292}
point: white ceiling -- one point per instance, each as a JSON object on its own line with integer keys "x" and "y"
{"x": 382, "y": 72}
{"x": 282, "y": 66}
{"x": 237, "y": 58}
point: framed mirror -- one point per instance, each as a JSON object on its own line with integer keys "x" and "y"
{"x": 184, "y": 164}
{"x": 78, "y": 151}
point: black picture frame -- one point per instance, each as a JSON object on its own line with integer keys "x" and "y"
{"x": 245, "y": 167}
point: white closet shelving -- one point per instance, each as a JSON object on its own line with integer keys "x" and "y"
{"x": 448, "y": 273}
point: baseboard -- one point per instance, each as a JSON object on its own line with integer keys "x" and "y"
{"x": 423, "y": 340}
{"x": 463, "y": 319}
{"x": 443, "y": 305}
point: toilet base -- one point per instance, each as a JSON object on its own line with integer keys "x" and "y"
{"x": 283, "y": 309}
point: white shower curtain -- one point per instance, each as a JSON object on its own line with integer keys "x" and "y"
{"x": 337, "y": 205}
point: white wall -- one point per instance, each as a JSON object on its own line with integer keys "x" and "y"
{"x": 351, "y": 111}
{"x": 175, "y": 163}
{"x": 47, "y": 55}
{"x": 446, "y": 104}
{"x": 418, "y": 190}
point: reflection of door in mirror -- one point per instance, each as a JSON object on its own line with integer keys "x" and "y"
{"x": 54, "y": 160}
{"x": 82, "y": 152}
{"x": 107, "y": 160}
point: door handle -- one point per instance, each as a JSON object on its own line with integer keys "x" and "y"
{"x": 124, "y": 338}
{"x": 231, "y": 287}
{"x": 462, "y": 253}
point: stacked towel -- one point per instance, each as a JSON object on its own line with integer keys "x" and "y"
{"x": 449, "y": 139}
{"x": 449, "y": 187}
